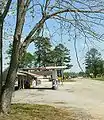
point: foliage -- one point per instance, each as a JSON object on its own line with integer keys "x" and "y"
{"x": 81, "y": 74}
{"x": 60, "y": 56}
{"x": 44, "y": 55}
{"x": 27, "y": 60}
{"x": 66, "y": 75}
{"x": 101, "y": 78}
{"x": 71, "y": 74}
{"x": 94, "y": 63}
{"x": 43, "y": 46}
{"x": 74, "y": 75}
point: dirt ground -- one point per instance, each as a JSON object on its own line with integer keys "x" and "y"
{"x": 83, "y": 96}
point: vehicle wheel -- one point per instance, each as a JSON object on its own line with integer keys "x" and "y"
{"x": 55, "y": 87}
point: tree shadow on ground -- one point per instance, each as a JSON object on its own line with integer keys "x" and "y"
{"x": 42, "y": 88}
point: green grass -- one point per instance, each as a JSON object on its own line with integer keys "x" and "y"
{"x": 37, "y": 112}
{"x": 99, "y": 78}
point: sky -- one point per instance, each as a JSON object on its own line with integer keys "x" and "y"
{"x": 66, "y": 39}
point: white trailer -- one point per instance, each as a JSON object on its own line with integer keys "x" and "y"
{"x": 53, "y": 69}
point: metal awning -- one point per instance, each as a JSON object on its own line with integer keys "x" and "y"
{"x": 46, "y": 68}
{"x": 20, "y": 74}
{"x": 29, "y": 73}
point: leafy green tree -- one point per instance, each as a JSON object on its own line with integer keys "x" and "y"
{"x": 101, "y": 67}
{"x": 60, "y": 56}
{"x": 66, "y": 75}
{"x": 28, "y": 60}
{"x": 81, "y": 74}
{"x": 93, "y": 62}
{"x": 71, "y": 74}
{"x": 43, "y": 47}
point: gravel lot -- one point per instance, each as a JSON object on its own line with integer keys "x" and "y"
{"x": 84, "y": 96}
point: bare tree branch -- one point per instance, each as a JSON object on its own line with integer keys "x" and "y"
{"x": 6, "y": 9}
{"x": 75, "y": 11}
{"x": 46, "y": 4}
{"x": 75, "y": 44}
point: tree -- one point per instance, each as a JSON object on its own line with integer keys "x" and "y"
{"x": 71, "y": 74}
{"x": 4, "y": 8}
{"x": 93, "y": 62}
{"x": 81, "y": 74}
{"x": 101, "y": 67}
{"x": 57, "y": 10}
{"x": 67, "y": 75}
{"x": 43, "y": 46}
{"x": 8, "y": 87}
{"x": 27, "y": 60}
{"x": 60, "y": 56}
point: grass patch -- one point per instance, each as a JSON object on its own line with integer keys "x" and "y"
{"x": 37, "y": 112}
{"x": 98, "y": 78}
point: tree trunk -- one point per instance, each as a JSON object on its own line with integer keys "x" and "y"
{"x": 1, "y": 75}
{"x": 7, "y": 93}
{"x": 1, "y": 31}
{"x": 95, "y": 75}
{"x": 8, "y": 88}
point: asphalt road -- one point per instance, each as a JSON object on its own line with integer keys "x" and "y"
{"x": 83, "y": 95}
